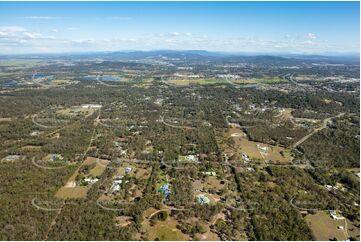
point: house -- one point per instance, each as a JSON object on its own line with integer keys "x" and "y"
{"x": 118, "y": 177}
{"x": 329, "y": 187}
{"x": 193, "y": 158}
{"x": 335, "y": 216}
{"x": 250, "y": 169}
{"x": 245, "y": 157}
{"x": 11, "y": 158}
{"x": 35, "y": 133}
{"x": 127, "y": 170}
{"x": 89, "y": 106}
{"x": 90, "y": 180}
{"x": 202, "y": 199}
{"x": 55, "y": 157}
{"x": 165, "y": 189}
{"x": 115, "y": 187}
{"x": 209, "y": 173}
{"x": 263, "y": 148}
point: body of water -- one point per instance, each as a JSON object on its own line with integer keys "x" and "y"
{"x": 102, "y": 78}
{"x": 9, "y": 83}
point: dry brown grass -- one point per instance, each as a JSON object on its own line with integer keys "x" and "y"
{"x": 323, "y": 227}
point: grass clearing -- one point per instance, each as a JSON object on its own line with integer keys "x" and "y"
{"x": 323, "y": 227}
{"x": 72, "y": 192}
{"x": 259, "y": 150}
{"x": 164, "y": 231}
{"x": 99, "y": 168}
{"x": 75, "y": 111}
{"x": 71, "y": 189}
{"x": 19, "y": 62}
{"x": 270, "y": 80}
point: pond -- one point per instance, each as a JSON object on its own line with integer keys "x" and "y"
{"x": 42, "y": 76}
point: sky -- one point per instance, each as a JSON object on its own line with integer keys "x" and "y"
{"x": 267, "y": 27}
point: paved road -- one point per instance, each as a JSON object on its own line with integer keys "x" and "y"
{"x": 44, "y": 209}
{"x": 47, "y": 167}
{"x": 174, "y": 126}
{"x": 41, "y": 125}
{"x": 324, "y": 125}
{"x": 103, "y": 83}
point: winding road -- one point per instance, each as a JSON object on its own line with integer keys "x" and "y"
{"x": 174, "y": 126}
{"x": 324, "y": 125}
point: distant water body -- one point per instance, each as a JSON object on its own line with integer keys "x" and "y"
{"x": 9, "y": 83}
{"x": 102, "y": 78}
{"x": 42, "y": 76}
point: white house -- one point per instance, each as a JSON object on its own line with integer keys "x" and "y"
{"x": 193, "y": 158}
{"x": 127, "y": 170}
{"x": 90, "y": 180}
{"x": 335, "y": 216}
{"x": 115, "y": 187}
{"x": 91, "y": 106}
{"x": 209, "y": 173}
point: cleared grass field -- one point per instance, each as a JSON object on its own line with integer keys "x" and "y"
{"x": 244, "y": 81}
{"x": 74, "y": 111}
{"x": 164, "y": 231}
{"x": 270, "y": 80}
{"x": 99, "y": 167}
{"x": 323, "y": 227}
{"x": 213, "y": 182}
{"x": 19, "y": 62}
{"x": 72, "y": 192}
{"x": 256, "y": 150}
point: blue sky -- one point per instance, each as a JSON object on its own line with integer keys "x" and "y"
{"x": 271, "y": 27}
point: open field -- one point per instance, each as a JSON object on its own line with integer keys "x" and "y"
{"x": 270, "y": 80}
{"x": 99, "y": 167}
{"x": 5, "y": 120}
{"x": 213, "y": 182}
{"x": 257, "y": 150}
{"x": 19, "y": 62}
{"x": 164, "y": 230}
{"x": 323, "y": 227}
{"x": 72, "y": 192}
{"x": 74, "y": 111}
{"x": 71, "y": 189}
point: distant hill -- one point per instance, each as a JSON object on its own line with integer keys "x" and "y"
{"x": 199, "y": 55}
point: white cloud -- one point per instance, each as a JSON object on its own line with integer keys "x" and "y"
{"x": 55, "y": 30}
{"x": 32, "y": 35}
{"x": 82, "y": 41}
{"x": 73, "y": 28}
{"x": 43, "y": 17}
{"x": 3, "y": 34}
{"x": 19, "y": 40}
{"x": 311, "y": 36}
{"x": 12, "y": 29}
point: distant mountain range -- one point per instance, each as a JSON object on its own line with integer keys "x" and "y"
{"x": 197, "y": 55}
